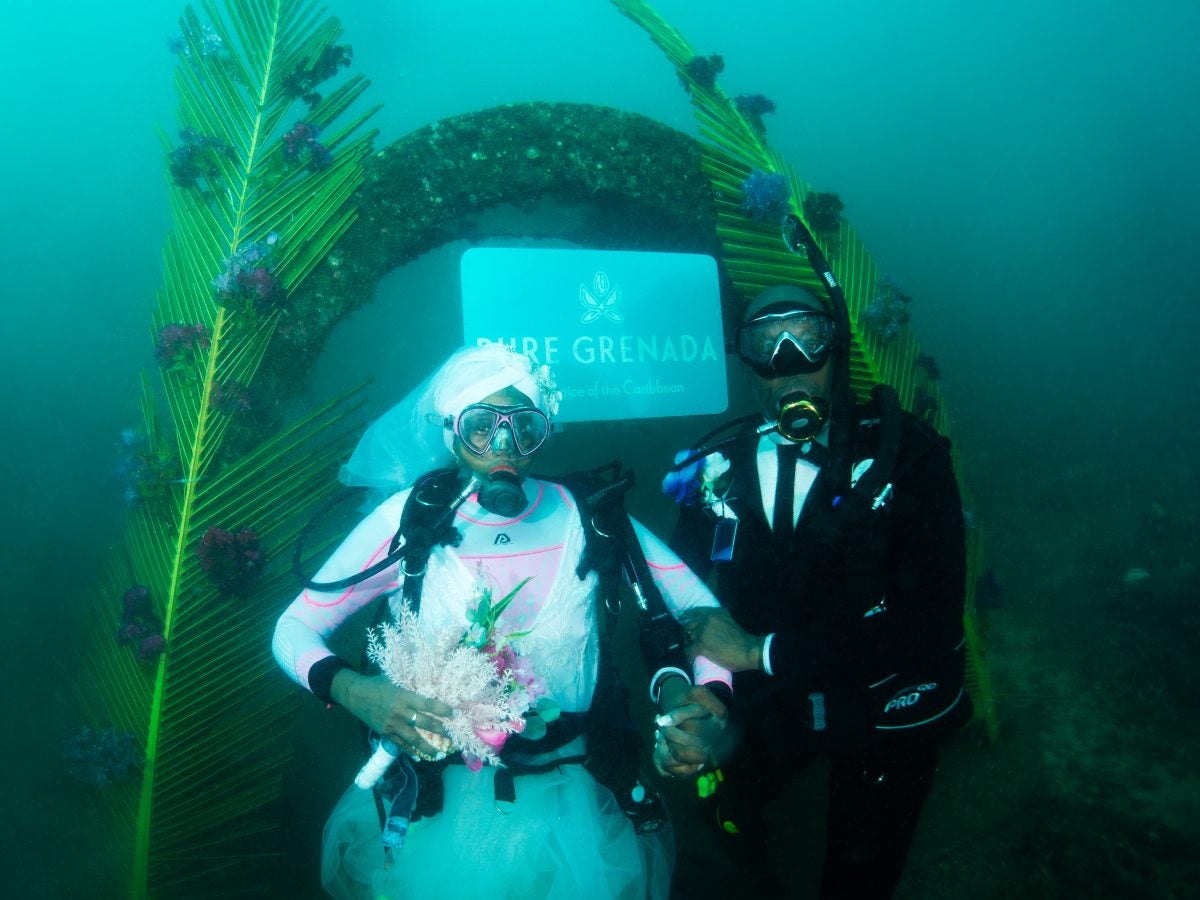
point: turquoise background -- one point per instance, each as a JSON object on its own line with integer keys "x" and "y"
{"x": 1027, "y": 170}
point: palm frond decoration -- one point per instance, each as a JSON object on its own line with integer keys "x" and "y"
{"x": 260, "y": 188}
{"x": 739, "y": 162}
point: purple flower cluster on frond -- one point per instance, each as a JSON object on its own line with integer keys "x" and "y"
{"x": 140, "y": 627}
{"x": 210, "y": 44}
{"x": 232, "y": 560}
{"x": 300, "y": 144}
{"x": 247, "y": 276}
{"x": 823, "y": 212}
{"x": 765, "y": 196}
{"x": 146, "y": 473}
{"x": 303, "y": 79}
{"x": 197, "y": 158}
{"x": 230, "y": 398}
{"x": 177, "y": 344}
{"x": 887, "y": 314}
{"x": 101, "y": 757}
{"x": 683, "y": 485}
{"x": 929, "y": 365}
{"x": 703, "y": 70}
{"x": 754, "y": 107}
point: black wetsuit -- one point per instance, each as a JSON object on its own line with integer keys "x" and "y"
{"x": 867, "y": 653}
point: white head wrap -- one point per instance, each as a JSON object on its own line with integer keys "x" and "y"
{"x": 410, "y": 439}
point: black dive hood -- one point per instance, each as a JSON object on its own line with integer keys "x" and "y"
{"x": 801, "y": 417}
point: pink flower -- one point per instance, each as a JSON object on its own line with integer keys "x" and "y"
{"x": 151, "y": 647}
{"x": 492, "y": 737}
{"x": 474, "y": 763}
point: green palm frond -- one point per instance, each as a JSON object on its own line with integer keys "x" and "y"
{"x": 210, "y": 712}
{"x": 755, "y": 257}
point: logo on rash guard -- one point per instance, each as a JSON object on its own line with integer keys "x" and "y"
{"x": 502, "y": 538}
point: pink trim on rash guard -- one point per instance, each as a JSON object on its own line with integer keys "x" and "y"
{"x": 342, "y": 599}
{"x": 566, "y": 497}
{"x": 663, "y": 568}
{"x": 350, "y": 590}
{"x": 509, "y": 555}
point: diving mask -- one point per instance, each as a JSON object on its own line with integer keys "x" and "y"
{"x": 784, "y": 343}
{"x": 482, "y": 427}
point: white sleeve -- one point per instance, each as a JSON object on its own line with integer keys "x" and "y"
{"x": 682, "y": 590}
{"x": 301, "y": 632}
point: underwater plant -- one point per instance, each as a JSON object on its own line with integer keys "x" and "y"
{"x": 140, "y": 627}
{"x": 754, "y": 107}
{"x": 232, "y": 560}
{"x": 765, "y": 196}
{"x": 823, "y": 212}
{"x": 929, "y": 365}
{"x": 303, "y": 79}
{"x": 888, "y": 313}
{"x": 101, "y": 757}
{"x": 703, "y": 70}
{"x": 230, "y": 398}
{"x": 176, "y": 344}
{"x": 300, "y": 144}
{"x": 247, "y": 276}
{"x": 210, "y": 42}
{"x": 209, "y": 710}
{"x": 197, "y": 158}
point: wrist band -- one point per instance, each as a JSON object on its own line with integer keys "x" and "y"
{"x": 766, "y": 653}
{"x": 661, "y": 675}
{"x": 320, "y": 677}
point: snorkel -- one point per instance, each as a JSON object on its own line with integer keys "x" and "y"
{"x": 798, "y": 239}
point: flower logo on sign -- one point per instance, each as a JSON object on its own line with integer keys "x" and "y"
{"x": 601, "y": 302}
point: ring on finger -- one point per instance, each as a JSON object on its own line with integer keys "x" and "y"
{"x": 413, "y": 719}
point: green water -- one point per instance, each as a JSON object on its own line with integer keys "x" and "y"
{"x": 1028, "y": 175}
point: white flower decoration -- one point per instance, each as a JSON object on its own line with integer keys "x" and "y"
{"x": 544, "y": 379}
{"x": 715, "y": 467}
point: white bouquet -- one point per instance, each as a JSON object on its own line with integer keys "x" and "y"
{"x": 477, "y": 672}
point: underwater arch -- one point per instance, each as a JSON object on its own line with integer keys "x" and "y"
{"x": 638, "y": 182}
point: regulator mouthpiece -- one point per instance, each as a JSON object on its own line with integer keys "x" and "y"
{"x": 801, "y": 417}
{"x": 501, "y": 494}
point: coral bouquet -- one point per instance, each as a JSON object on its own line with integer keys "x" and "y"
{"x": 477, "y": 672}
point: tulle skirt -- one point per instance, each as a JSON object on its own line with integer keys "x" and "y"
{"x": 565, "y": 837}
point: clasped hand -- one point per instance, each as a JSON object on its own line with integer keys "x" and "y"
{"x": 691, "y": 732}
{"x": 712, "y": 633}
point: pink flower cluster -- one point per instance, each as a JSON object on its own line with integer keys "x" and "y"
{"x": 140, "y": 627}
{"x": 248, "y": 276}
{"x": 233, "y": 560}
{"x": 300, "y": 143}
{"x": 229, "y": 398}
{"x": 176, "y": 344}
